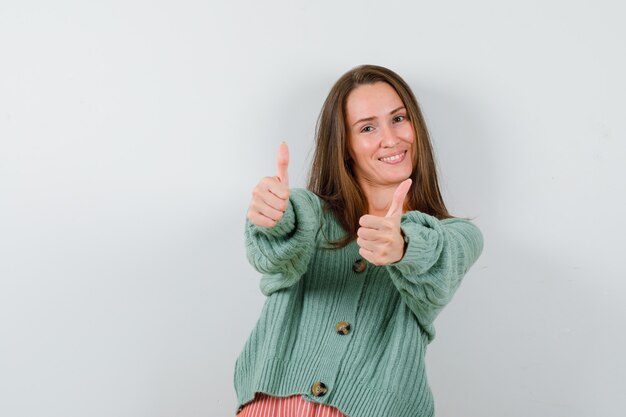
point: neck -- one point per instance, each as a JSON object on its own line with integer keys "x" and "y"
{"x": 379, "y": 197}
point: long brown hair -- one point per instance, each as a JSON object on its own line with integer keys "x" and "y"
{"x": 332, "y": 177}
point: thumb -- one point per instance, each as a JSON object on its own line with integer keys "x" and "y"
{"x": 398, "y": 198}
{"x": 282, "y": 162}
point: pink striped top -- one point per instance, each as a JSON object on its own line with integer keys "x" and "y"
{"x": 265, "y": 405}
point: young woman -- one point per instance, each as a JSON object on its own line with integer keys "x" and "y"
{"x": 356, "y": 267}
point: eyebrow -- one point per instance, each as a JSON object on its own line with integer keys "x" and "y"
{"x": 367, "y": 119}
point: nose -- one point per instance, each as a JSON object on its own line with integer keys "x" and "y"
{"x": 388, "y": 139}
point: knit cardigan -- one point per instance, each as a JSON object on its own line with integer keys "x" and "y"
{"x": 377, "y": 368}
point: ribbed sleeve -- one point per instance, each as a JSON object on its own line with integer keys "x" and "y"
{"x": 283, "y": 252}
{"x": 438, "y": 254}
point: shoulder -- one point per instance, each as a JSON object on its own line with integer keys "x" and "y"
{"x": 415, "y": 216}
{"x": 458, "y": 225}
{"x": 310, "y": 205}
{"x": 304, "y": 199}
{"x": 303, "y": 193}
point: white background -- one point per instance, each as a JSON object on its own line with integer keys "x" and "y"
{"x": 131, "y": 136}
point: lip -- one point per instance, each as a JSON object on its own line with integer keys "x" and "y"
{"x": 402, "y": 156}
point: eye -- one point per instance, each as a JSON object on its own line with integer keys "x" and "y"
{"x": 367, "y": 129}
{"x": 399, "y": 119}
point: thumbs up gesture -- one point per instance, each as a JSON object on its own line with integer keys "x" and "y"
{"x": 271, "y": 195}
{"x": 380, "y": 238}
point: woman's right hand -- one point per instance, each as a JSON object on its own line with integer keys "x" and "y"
{"x": 271, "y": 195}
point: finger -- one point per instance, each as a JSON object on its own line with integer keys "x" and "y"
{"x": 282, "y": 162}
{"x": 273, "y": 185}
{"x": 260, "y": 220}
{"x": 366, "y": 244}
{"x": 269, "y": 198}
{"x": 374, "y": 222}
{"x": 367, "y": 254}
{"x": 369, "y": 221}
{"x": 399, "y": 195}
{"x": 368, "y": 234}
{"x": 279, "y": 190}
{"x": 265, "y": 210}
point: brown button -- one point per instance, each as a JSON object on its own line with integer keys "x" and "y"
{"x": 343, "y": 327}
{"x": 359, "y": 266}
{"x": 318, "y": 389}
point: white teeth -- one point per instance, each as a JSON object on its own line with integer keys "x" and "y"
{"x": 392, "y": 158}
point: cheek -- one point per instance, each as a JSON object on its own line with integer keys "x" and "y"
{"x": 364, "y": 150}
{"x": 409, "y": 134}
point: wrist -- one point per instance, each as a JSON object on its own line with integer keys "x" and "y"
{"x": 405, "y": 242}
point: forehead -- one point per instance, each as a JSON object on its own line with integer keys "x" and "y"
{"x": 372, "y": 100}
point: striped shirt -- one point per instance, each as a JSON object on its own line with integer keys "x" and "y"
{"x": 265, "y": 405}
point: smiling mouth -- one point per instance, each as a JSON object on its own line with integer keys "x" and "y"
{"x": 393, "y": 159}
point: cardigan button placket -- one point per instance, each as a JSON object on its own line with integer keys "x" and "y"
{"x": 319, "y": 389}
{"x": 359, "y": 266}
{"x": 343, "y": 327}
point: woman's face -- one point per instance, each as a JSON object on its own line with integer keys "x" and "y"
{"x": 380, "y": 135}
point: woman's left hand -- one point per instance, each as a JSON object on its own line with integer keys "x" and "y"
{"x": 380, "y": 238}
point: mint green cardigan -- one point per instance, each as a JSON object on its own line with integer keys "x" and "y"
{"x": 377, "y": 369}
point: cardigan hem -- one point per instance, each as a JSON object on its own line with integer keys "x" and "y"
{"x": 289, "y": 379}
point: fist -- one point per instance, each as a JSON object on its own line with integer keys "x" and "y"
{"x": 380, "y": 238}
{"x": 270, "y": 196}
